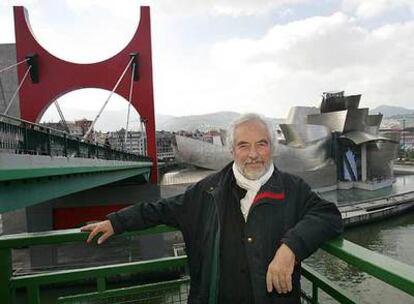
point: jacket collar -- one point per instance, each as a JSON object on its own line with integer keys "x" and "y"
{"x": 274, "y": 184}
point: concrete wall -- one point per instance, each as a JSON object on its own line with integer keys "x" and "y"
{"x": 8, "y": 80}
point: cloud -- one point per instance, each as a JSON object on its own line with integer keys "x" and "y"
{"x": 374, "y": 8}
{"x": 294, "y": 63}
{"x": 233, "y": 8}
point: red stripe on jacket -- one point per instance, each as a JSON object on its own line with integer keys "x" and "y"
{"x": 271, "y": 195}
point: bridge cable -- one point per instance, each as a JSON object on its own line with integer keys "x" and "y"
{"x": 13, "y": 65}
{"x": 17, "y": 90}
{"x": 144, "y": 135}
{"x": 62, "y": 118}
{"x": 107, "y": 100}
{"x": 131, "y": 87}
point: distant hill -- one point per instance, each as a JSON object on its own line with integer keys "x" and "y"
{"x": 115, "y": 120}
{"x": 218, "y": 120}
{"x": 389, "y": 111}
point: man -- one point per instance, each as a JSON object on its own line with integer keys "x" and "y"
{"x": 246, "y": 228}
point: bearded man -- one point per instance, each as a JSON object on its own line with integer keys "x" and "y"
{"x": 246, "y": 228}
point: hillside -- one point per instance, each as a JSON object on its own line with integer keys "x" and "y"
{"x": 389, "y": 111}
{"x": 218, "y": 120}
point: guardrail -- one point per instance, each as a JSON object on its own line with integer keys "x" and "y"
{"x": 384, "y": 268}
{"x": 24, "y": 137}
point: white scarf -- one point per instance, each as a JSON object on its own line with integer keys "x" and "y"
{"x": 252, "y": 187}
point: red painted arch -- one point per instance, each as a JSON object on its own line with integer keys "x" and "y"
{"x": 57, "y": 76}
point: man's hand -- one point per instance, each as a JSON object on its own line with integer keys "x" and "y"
{"x": 279, "y": 272}
{"x": 104, "y": 227}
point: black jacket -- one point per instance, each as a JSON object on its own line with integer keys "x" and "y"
{"x": 285, "y": 211}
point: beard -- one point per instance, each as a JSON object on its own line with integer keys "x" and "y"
{"x": 253, "y": 170}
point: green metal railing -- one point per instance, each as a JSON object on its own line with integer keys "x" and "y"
{"x": 392, "y": 272}
{"x": 24, "y": 137}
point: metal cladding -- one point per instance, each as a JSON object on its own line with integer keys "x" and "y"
{"x": 358, "y": 137}
{"x": 338, "y": 142}
{"x": 202, "y": 154}
{"x": 306, "y": 151}
{"x": 379, "y": 160}
{"x": 298, "y": 115}
{"x": 335, "y": 121}
{"x": 373, "y": 123}
{"x": 300, "y": 135}
{"x": 339, "y": 102}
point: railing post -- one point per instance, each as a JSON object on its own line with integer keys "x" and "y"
{"x": 65, "y": 145}
{"x": 101, "y": 284}
{"x": 26, "y": 140}
{"x": 315, "y": 293}
{"x": 79, "y": 147}
{"x": 6, "y": 294}
{"x": 49, "y": 144}
{"x": 33, "y": 296}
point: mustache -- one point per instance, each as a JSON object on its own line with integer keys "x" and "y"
{"x": 254, "y": 162}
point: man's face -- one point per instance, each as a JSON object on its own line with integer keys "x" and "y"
{"x": 252, "y": 151}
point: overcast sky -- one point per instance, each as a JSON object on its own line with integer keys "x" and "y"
{"x": 238, "y": 55}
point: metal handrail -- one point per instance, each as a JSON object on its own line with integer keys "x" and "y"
{"x": 386, "y": 269}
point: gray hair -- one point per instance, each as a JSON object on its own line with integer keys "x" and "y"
{"x": 247, "y": 118}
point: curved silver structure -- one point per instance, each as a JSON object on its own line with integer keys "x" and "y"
{"x": 358, "y": 137}
{"x": 201, "y": 154}
{"x": 337, "y": 141}
{"x": 340, "y": 103}
{"x": 300, "y": 135}
{"x": 298, "y": 115}
{"x": 335, "y": 121}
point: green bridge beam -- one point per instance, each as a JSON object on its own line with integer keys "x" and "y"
{"x": 21, "y": 188}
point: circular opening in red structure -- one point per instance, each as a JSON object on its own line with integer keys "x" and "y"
{"x": 86, "y": 104}
{"x": 84, "y": 31}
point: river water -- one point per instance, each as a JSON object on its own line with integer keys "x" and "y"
{"x": 393, "y": 237}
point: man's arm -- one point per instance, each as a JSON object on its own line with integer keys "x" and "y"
{"x": 140, "y": 216}
{"x": 319, "y": 221}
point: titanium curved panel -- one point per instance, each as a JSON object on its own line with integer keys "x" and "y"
{"x": 325, "y": 176}
{"x": 309, "y": 158}
{"x": 201, "y": 154}
{"x": 340, "y": 103}
{"x": 380, "y": 158}
{"x": 352, "y": 101}
{"x": 335, "y": 121}
{"x": 358, "y": 137}
{"x": 374, "y": 120}
{"x": 297, "y": 115}
{"x": 356, "y": 120}
{"x": 393, "y": 136}
{"x": 300, "y": 135}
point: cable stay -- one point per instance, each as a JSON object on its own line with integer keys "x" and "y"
{"x": 107, "y": 100}
{"x": 13, "y": 65}
{"x": 129, "y": 110}
{"x": 17, "y": 90}
{"x": 62, "y": 118}
{"x": 144, "y": 135}
{"x": 3, "y": 96}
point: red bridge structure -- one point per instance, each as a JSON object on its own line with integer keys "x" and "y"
{"x": 52, "y": 77}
